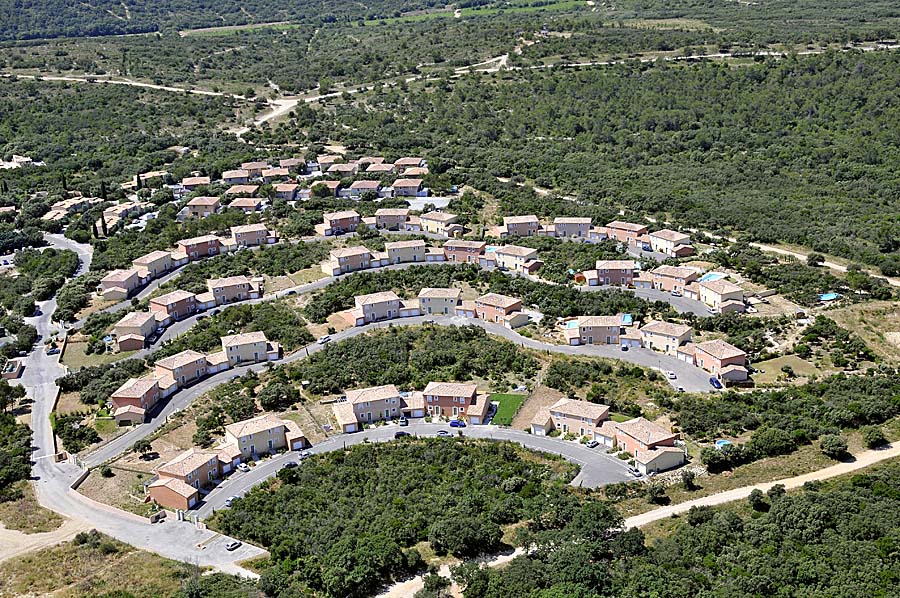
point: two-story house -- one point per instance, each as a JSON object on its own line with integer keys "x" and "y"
{"x": 185, "y": 367}
{"x": 200, "y": 247}
{"x": 665, "y": 337}
{"x": 616, "y": 273}
{"x": 438, "y": 301}
{"x": 673, "y": 279}
{"x": 516, "y": 258}
{"x": 153, "y": 265}
{"x": 671, "y": 243}
{"x": 119, "y": 284}
{"x": 449, "y": 399}
{"x": 251, "y": 235}
{"x": 627, "y": 233}
{"x": 377, "y": 306}
{"x": 336, "y": 223}
{"x": 347, "y": 259}
{"x": 593, "y": 330}
{"x": 133, "y": 330}
{"x": 582, "y": 418}
{"x": 571, "y": 227}
{"x": 440, "y": 223}
{"x": 203, "y": 206}
{"x": 231, "y": 289}
{"x": 173, "y": 306}
{"x": 465, "y": 252}
{"x": 390, "y": 218}
{"x": 248, "y": 347}
{"x": 521, "y": 226}
{"x": 402, "y": 252}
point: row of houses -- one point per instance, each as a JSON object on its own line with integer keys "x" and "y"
{"x": 383, "y": 403}
{"x": 180, "y": 480}
{"x": 653, "y": 447}
{"x": 131, "y": 401}
{"x": 397, "y": 219}
{"x": 121, "y": 284}
{"x": 133, "y": 330}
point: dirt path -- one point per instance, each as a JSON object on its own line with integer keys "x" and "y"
{"x": 14, "y": 543}
{"x": 862, "y": 460}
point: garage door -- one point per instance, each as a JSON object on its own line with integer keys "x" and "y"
{"x": 350, "y": 428}
{"x": 226, "y": 467}
{"x": 192, "y": 501}
{"x": 298, "y": 444}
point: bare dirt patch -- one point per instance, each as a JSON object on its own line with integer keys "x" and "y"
{"x": 124, "y": 490}
{"x": 25, "y": 514}
{"x": 542, "y": 398}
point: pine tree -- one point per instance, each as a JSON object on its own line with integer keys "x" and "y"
{"x": 94, "y": 230}
{"x": 103, "y": 190}
{"x": 103, "y": 226}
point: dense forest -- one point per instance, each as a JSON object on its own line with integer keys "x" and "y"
{"x": 345, "y": 522}
{"x": 411, "y": 357}
{"x": 797, "y": 150}
{"x": 15, "y": 441}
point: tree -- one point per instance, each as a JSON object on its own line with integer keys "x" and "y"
{"x": 142, "y": 446}
{"x": 815, "y": 259}
{"x": 655, "y": 493}
{"x": 833, "y": 446}
{"x": 757, "y": 500}
{"x": 688, "y": 479}
{"x": 103, "y": 226}
{"x": 9, "y": 394}
{"x": 278, "y": 396}
{"x": 873, "y": 436}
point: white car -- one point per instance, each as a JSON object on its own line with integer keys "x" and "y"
{"x": 324, "y": 339}
{"x": 243, "y": 467}
{"x": 671, "y": 375}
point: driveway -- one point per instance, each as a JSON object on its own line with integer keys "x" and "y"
{"x": 597, "y": 467}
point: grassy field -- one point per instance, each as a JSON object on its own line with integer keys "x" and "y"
{"x": 773, "y": 374}
{"x": 509, "y": 405}
{"x": 25, "y": 514}
{"x": 231, "y": 29}
{"x": 877, "y": 323}
{"x": 75, "y": 358}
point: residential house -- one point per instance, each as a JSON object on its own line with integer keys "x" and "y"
{"x": 201, "y": 207}
{"x": 195, "y": 467}
{"x": 264, "y": 434}
{"x": 617, "y": 273}
{"x": 377, "y": 306}
{"x": 440, "y": 223}
{"x": 344, "y": 170}
{"x": 381, "y": 169}
{"x": 325, "y": 161}
{"x": 516, "y": 258}
{"x": 347, "y": 259}
{"x": 449, "y": 399}
{"x": 119, "y": 284}
{"x": 172, "y": 493}
{"x": 141, "y": 394}
{"x": 652, "y": 445}
{"x": 286, "y": 191}
{"x": 271, "y": 174}
{"x": 593, "y": 330}
{"x": 414, "y": 171}
{"x": 582, "y": 418}
{"x": 331, "y": 187}
{"x": 184, "y": 368}
{"x": 413, "y": 224}
{"x": 409, "y": 162}
{"x": 466, "y": 252}
{"x": 248, "y": 347}
{"x": 236, "y": 177}
{"x": 407, "y": 187}
{"x": 293, "y": 164}
{"x": 192, "y": 182}
{"x": 336, "y": 223}
{"x": 722, "y": 360}
{"x": 244, "y": 191}
{"x": 360, "y": 188}
{"x": 673, "y": 279}
{"x": 671, "y": 243}
{"x": 496, "y": 308}
{"x": 368, "y": 405}
{"x": 664, "y": 336}
{"x": 367, "y": 160}
{"x": 401, "y": 252}
{"x": 438, "y": 301}
{"x": 133, "y": 330}
{"x": 251, "y": 235}
{"x": 627, "y": 233}
{"x": 520, "y": 226}
{"x": 721, "y": 296}
{"x": 232, "y": 288}
{"x": 173, "y": 306}
{"x": 255, "y": 169}
{"x": 390, "y": 218}
{"x": 200, "y": 247}
{"x": 153, "y": 265}
{"x": 567, "y": 227}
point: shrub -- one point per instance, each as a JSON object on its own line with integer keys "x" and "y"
{"x": 833, "y": 446}
{"x": 873, "y": 436}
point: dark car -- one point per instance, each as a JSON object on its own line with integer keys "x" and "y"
{"x": 401, "y": 434}
{"x": 457, "y": 423}
{"x": 715, "y": 382}
{"x": 289, "y": 465}
{"x": 443, "y": 433}
{"x": 624, "y": 347}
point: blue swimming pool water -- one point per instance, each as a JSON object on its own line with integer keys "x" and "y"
{"x": 627, "y": 320}
{"x": 490, "y": 249}
{"x": 710, "y": 276}
{"x": 572, "y": 324}
{"x": 828, "y": 296}
{"x": 721, "y": 443}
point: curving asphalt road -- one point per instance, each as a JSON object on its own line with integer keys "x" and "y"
{"x": 597, "y": 467}
{"x": 691, "y": 378}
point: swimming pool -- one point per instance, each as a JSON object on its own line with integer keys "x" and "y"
{"x": 721, "y": 443}
{"x": 828, "y": 296}
{"x": 711, "y": 276}
{"x": 490, "y": 249}
{"x": 572, "y": 324}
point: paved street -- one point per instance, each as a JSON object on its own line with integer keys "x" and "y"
{"x": 682, "y": 305}
{"x": 597, "y": 468}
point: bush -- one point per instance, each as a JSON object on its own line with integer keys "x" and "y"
{"x": 833, "y": 446}
{"x": 873, "y": 436}
{"x": 757, "y": 500}
{"x": 106, "y": 471}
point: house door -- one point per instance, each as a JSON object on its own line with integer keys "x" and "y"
{"x": 591, "y": 340}
{"x": 387, "y": 414}
{"x": 608, "y": 340}
{"x": 252, "y": 449}
{"x": 271, "y": 445}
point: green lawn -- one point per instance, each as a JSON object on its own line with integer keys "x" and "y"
{"x": 509, "y": 405}
{"x": 619, "y": 417}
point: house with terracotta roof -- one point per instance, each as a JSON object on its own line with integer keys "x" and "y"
{"x": 449, "y": 399}
{"x": 376, "y": 306}
{"x": 248, "y": 205}
{"x": 408, "y": 187}
{"x": 192, "y": 182}
{"x": 185, "y": 367}
{"x": 195, "y": 467}
{"x": 497, "y": 308}
{"x": 330, "y": 188}
{"x": 367, "y": 160}
{"x": 652, "y": 446}
{"x": 199, "y": 247}
{"x": 293, "y": 164}
{"x": 347, "y": 259}
{"x": 133, "y": 330}
{"x": 593, "y": 330}
{"x": 286, "y": 191}
{"x": 402, "y": 252}
{"x": 255, "y": 168}
{"x": 272, "y": 174}
{"x": 722, "y": 296}
{"x": 671, "y": 243}
{"x": 249, "y": 347}
{"x": 371, "y": 404}
{"x": 141, "y": 394}
{"x": 517, "y": 258}
{"x": 203, "y": 206}
{"x": 616, "y": 273}
{"x": 414, "y": 171}
{"x": 172, "y": 493}
{"x": 390, "y": 218}
{"x": 567, "y": 227}
{"x": 440, "y": 223}
{"x": 264, "y": 435}
{"x": 673, "y": 278}
{"x": 722, "y": 360}
{"x": 173, "y": 306}
{"x": 236, "y": 177}
{"x": 438, "y": 301}
{"x": 232, "y": 289}
{"x": 409, "y": 162}
{"x": 627, "y": 233}
{"x": 326, "y": 160}
{"x": 574, "y": 416}
{"x": 252, "y": 235}
{"x": 665, "y": 337}
{"x": 520, "y": 226}
{"x": 336, "y": 223}
{"x": 360, "y": 188}
{"x": 119, "y": 284}
{"x": 343, "y": 170}
{"x": 381, "y": 169}
{"x": 466, "y": 252}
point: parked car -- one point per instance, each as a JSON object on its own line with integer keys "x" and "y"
{"x": 401, "y": 434}
{"x": 443, "y": 433}
{"x": 457, "y": 423}
{"x": 233, "y": 545}
{"x": 324, "y": 339}
{"x": 230, "y": 500}
{"x": 634, "y": 472}
{"x": 214, "y": 312}
{"x": 671, "y": 375}
{"x": 403, "y": 421}
{"x": 53, "y": 351}
{"x": 592, "y": 443}
{"x": 243, "y": 467}
{"x": 289, "y": 465}
{"x": 304, "y": 454}
{"x": 715, "y": 382}
{"x": 676, "y": 293}
{"x": 429, "y": 321}
{"x": 624, "y": 347}
{"x": 680, "y": 389}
